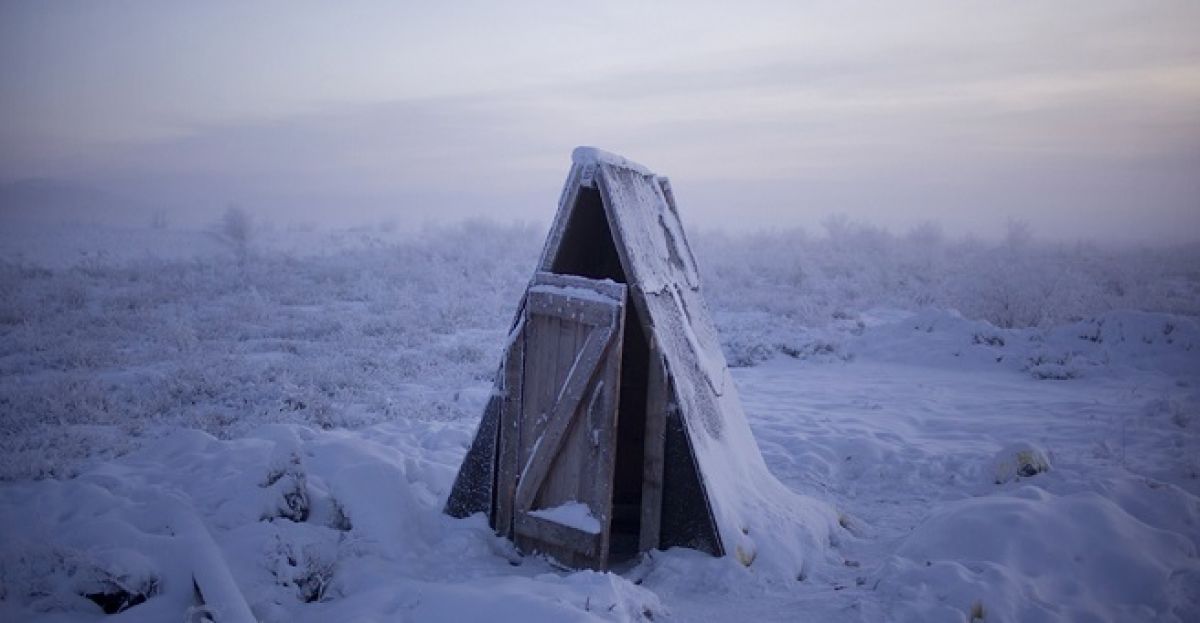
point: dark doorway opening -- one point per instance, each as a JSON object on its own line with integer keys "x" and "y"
{"x": 587, "y": 249}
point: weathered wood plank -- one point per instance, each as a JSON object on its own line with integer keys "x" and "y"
{"x": 542, "y": 380}
{"x": 652, "y": 459}
{"x": 566, "y": 200}
{"x": 664, "y": 183}
{"x": 604, "y": 422}
{"x": 569, "y": 466}
{"x": 540, "y": 383}
{"x": 589, "y": 311}
{"x": 679, "y": 251}
{"x": 611, "y": 289}
{"x": 563, "y": 414}
{"x": 554, "y": 533}
{"x": 509, "y": 438}
{"x": 622, "y": 238}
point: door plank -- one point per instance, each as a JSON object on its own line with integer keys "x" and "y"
{"x": 568, "y": 466}
{"x": 565, "y": 408}
{"x": 603, "y": 420}
{"x": 539, "y": 384}
{"x": 509, "y": 437}
{"x": 553, "y": 303}
{"x": 611, "y": 289}
{"x": 652, "y": 465}
{"x": 554, "y": 533}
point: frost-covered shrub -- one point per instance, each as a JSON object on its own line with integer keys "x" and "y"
{"x": 349, "y": 328}
{"x": 1018, "y": 282}
{"x": 802, "y": 281}
{"x": 51, "y": 578}
{"x": 352, "y": 332}
{"x": 306, "y": 567}
{"x": 237, "y": 228}
{"x": 287, "y": 487}
{"x": 1018, "y": 460}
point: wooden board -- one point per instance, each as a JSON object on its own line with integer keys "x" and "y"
{"x": 579, "y": 544}
{"x": 509, "y": 433}
{"x": 652, "y": 465}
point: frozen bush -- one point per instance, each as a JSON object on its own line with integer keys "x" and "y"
{"x": 1016, "y": 282}
{"x": 237, "y": 229}
{"x": 1018, "y": 460}
{"x": 358, "y": 327}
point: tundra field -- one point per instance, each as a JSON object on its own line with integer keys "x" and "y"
{"x": 993, "y": 430}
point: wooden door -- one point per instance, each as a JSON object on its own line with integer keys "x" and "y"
{"x": 558, "y": 437}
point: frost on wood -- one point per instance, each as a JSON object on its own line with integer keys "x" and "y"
{"x": 574, "y": 293}
{"x": 591, "y": 156}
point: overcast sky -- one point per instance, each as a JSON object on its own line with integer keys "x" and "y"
{"x": 1082, "y": 118}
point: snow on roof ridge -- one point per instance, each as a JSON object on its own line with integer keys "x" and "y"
{"x": 585, "y": 155}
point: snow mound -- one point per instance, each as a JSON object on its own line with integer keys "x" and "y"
{"x": 1135, "y": 339}
{"x": 288, "y": 524}
{"x": 572, "y": 514}
{"x": 1034, "y": 556}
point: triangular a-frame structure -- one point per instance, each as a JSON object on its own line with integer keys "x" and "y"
{"x": 615, "y": 426}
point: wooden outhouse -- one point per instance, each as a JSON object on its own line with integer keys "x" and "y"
{"x": 614, "y": 426}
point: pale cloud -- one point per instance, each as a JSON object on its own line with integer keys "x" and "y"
{"x": 1079, "y": 117}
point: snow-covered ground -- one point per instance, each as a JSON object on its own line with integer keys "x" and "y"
{"x": 290, "y": 417}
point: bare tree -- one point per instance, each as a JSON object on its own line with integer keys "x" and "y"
{"x": 237, "y": 228}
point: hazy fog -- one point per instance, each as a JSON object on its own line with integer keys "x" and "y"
{"x": 1081, "y": 118}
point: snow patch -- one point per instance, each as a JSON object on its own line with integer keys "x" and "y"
{"x": 1034, "y": 556}
{"x": 571, "y": 514}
